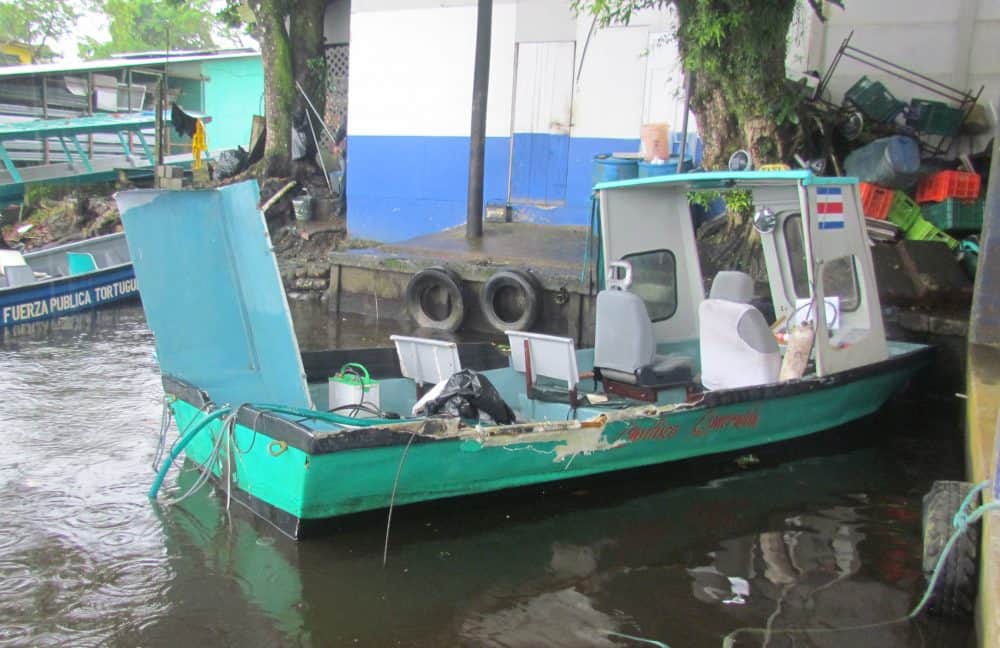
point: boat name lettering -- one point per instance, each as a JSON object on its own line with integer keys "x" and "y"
{"x": 26, "y": 311}
{"x": 115, "y": 290}
{"x": 715, "y": 422}
{"x": 38, "y": 308}
{"x": 658, "y": 431}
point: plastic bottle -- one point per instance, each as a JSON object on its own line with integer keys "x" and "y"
{"x": 889, "y": 162}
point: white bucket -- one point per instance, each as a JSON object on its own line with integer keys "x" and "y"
{"x": 302, "y": 206}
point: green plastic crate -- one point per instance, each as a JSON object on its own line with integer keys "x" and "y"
{"x": 924, "y": 231}
{"x": 904, "y": 211}
{"x": 873, "y": 99}
{"x": 933, "y": 117}
{"x": 955, "y": 215}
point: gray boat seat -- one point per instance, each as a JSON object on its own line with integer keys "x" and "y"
{"x": 738, "y": 348}
{"x": 625, "y": 346}
{"x": 19, "y": 276}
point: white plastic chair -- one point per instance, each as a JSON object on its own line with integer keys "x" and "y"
{"x": 550, "y": 356}
{"x": 426, "y": 361}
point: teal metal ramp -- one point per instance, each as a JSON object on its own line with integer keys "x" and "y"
{"x": 212, "y": 293}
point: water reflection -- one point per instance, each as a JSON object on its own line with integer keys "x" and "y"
{"x": 683, "y": 554}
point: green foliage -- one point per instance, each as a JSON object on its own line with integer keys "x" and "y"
{"x": 37, "y": 23}
{"x": 736, "y": 51}
{"x": 739, "y": 201}
{"x": 702, "y": 198}
{"x": 36, "y": 192}
{"x": 144, "y": 25}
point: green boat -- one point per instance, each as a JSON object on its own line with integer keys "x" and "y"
{"x": 673, "y": 374}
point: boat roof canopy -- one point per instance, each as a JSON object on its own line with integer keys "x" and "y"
{"x": 725, "y": 180}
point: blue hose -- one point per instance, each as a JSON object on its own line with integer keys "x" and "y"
{"x": 179, "y": 447}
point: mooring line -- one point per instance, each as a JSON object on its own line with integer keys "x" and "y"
{"x": 392, "y": 498}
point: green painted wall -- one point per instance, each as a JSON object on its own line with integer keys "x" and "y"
{"x": 233, "y": 95}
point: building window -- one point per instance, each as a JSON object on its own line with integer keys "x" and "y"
{"x": 654, "y": 279}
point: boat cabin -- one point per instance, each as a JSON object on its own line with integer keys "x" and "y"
{"x": 815, "y": 248}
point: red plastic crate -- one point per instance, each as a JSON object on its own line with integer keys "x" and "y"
{"x": 875, "y": 200}
{"x": 942, "y": 185}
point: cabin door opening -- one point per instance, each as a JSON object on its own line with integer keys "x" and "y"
{"x": 540, "y": 123}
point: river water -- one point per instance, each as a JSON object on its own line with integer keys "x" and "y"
{"x": 822, "y": 534}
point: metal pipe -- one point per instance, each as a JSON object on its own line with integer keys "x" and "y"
{"x": 684, "y": 122}
{"x": 477, "y": 135}
{"x": 45, "y": 115}
{"x": 513, "y": 124}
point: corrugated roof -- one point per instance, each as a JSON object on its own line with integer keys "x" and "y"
{"x": 125, "y": 61}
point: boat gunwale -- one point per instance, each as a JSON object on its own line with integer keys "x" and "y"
{"x": 52, "y": 281}
{"x": 315, "y": 442}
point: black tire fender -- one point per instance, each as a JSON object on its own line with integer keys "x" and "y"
{"x": 528, "y": 292}
{"x": 421, "y": 288}
{"x": 954, "y": 593}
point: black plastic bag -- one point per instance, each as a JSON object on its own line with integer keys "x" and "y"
{"x": 230, "y": 162}
{"x": 469, "y": 395}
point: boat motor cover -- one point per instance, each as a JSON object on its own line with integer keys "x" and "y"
{"x": 469, "y": 395}
{"x": 212, "y": 293}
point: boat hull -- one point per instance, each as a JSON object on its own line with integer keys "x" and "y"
{"x": 293, "y": 477}
{"x": 66, "y": 295}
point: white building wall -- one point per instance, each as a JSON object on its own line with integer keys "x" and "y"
{"x": 409, "y": 108}
{"x": 411, "y": 71}
{"x": 955, "y": 42}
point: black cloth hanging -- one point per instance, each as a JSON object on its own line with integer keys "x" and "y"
{"x": 183, "y": 123}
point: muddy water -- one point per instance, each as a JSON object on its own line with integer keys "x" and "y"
{"x": 823, "y": 534}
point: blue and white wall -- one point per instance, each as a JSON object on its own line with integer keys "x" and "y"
{"x": 551, "y": 109}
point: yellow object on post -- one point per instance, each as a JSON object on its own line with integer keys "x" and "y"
{"x": 198, "y": 143}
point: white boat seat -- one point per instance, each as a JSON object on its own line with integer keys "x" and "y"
{"x": 10, "y": 258}
{"x": 426, "y": 361}
{"x": 738, "y": 348}
{"x": 625, "y": 346}
{"x": 538, "y": 355}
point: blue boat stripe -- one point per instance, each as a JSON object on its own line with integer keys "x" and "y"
{"x": 824, "y": 225}
{"x": 828, "y": 190}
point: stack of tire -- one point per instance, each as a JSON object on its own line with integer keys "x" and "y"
{"x": 510, "y": 299}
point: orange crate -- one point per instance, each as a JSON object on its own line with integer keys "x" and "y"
{"x": 942, "y": 185}
{"x": 875, "y": 200}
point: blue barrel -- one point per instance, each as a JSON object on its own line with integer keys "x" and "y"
{"x": 648, "y": 169}
{"x": 612, "y": 169}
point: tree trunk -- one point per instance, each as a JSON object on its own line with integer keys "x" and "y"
{"x": 308, "y": 60}
{"x": 717, "y": 126}
{"x": 736, "y": 50}
{"x": 279, "y": 84}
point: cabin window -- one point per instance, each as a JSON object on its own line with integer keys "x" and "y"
{"x": 840, "y": 276}
{"x": 796, "y": 255}
{"x": 840, "y": 279}
{"x": 654, "y": 279}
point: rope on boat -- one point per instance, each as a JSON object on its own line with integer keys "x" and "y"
{"x": 961, "y": 522}
{"x": 203, "y": 475}
{"x": 229, "y": 432}
{"x": 392, "y": 498}
{"x": 179, "y": 447}
{"x": 651, "y": 642}
{"x": 166, "y": 415}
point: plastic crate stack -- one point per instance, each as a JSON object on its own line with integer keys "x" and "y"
{"x": 950, "y": 200}
{"x": 898, "y": 208}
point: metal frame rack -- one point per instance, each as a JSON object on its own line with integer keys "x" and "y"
{"x": 930, "y": 144}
